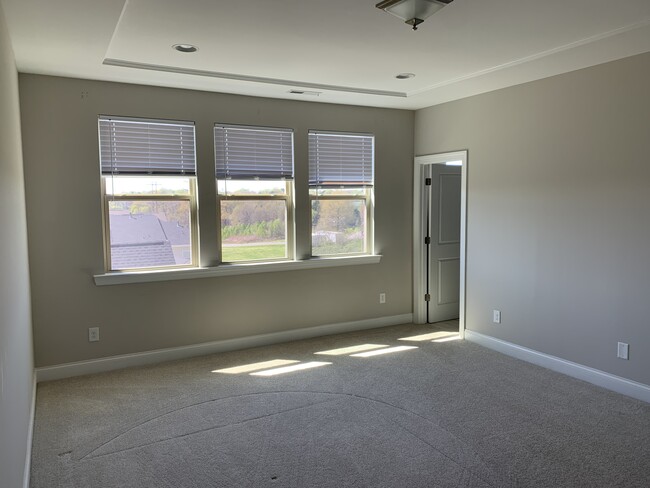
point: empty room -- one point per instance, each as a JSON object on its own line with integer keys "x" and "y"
{"x": 324, "y": 243}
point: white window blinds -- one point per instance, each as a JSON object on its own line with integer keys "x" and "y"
{"x": 247, "y": 153}
{"x": 146, "y": 147}
{"x": 341, "y": 159}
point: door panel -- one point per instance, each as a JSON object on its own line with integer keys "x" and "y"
{"x": 449, "y": 206}
{"x": 444, "y": 251}
{"x": 448, "y": 281}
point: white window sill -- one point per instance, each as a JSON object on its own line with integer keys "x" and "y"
{"x": 119, "y": 278}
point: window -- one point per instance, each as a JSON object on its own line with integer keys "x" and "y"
{"x": 254, "y": 170}
{"x": 149, "y": 193}
{"x": 341, "y": 167}
{"x": 149, "y": 199}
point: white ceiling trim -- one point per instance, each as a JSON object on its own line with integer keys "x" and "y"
{"x": 254, "y": 79}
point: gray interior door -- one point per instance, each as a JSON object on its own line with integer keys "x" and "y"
{"x": 443, "y": 195}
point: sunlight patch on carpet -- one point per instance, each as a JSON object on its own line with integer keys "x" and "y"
{"x": 351, "y": 349}
{"x": 247, "y": 368}
{"x": 379, "y": 352}
{"x": 428, "y": 337}
{"x": 290, "y": 369}
{"x": 447, "y": 339}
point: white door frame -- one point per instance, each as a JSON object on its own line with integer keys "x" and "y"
{"x": 419, "y": 249}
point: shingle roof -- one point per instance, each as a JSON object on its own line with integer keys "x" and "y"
{"x": 144, "y": 241}
{"x": 136, "y": 229}
{"x": 176, "y": 233}
{"x": 147, "y": 255}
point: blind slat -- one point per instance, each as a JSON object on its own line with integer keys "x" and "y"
{"x": 145, "y": 147}
{"x": 245, "y": 153}
{"x": 339, "y": 159}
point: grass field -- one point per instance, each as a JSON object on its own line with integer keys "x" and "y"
{"x": 251, "y": 253}
{"x": 278, "y": 251}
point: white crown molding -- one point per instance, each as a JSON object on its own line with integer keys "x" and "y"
{"x": 253, "y": 79}
{"x": 535, "y": 57}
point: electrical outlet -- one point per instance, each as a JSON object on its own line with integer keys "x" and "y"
{"x": 496, "y": 316}
{"x": 623, "y": 350}
{"x": 93, "y": 334}
{"x": 382, "y": 298}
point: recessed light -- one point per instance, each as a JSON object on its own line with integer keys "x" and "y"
{"x": 405, "y": 76}
{"x": 185, "y": 48}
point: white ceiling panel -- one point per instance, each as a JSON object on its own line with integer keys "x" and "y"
{"x": 347, "y": 50}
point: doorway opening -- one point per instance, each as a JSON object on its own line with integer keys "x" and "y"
{"x": 439, "y": 239}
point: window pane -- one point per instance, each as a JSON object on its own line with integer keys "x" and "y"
{"x": 251, "y": 187}
{"x": 253, "y": 230}
{"x": 338, "y": 227}
{"x": 147, "y": 185}
{"x": 149, "y": 234}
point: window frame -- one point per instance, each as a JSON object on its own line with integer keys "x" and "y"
{"x": 191, "y": 197}
{"x": 288, "y": 197}
{"x": 368, "y": 196}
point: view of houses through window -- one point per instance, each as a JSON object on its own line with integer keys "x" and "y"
{"x": 149, "y": 221}
{"x": 338, "y": 224}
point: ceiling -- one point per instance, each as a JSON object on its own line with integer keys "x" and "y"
{"x": 347, "y": 50}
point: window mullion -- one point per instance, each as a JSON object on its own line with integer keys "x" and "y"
{"x": 194, "y": 223}
{"x": 290, "y": 220}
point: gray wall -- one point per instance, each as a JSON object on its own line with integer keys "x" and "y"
{"x": 59, "y": 118}
{"x": 559, "y": 199}
{"x": 16, "y": 362}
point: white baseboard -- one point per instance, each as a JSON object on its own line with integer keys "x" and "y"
{"x": 585, "y": 373}
{"x": 150, "y": 357}
{"x": 30, "y": 436}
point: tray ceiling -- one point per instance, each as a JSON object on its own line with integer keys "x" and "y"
{"x": 347, "y": 51}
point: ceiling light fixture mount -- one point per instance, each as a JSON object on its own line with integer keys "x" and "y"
{"x": 185, "y": 48}
{"x": 413, "y": 12}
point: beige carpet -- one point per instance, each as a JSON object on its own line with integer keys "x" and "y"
{"x": 446, "y": 413}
